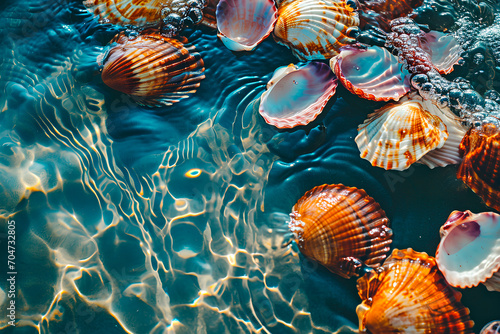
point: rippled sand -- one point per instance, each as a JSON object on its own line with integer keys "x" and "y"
{"x": 137, "y": 220}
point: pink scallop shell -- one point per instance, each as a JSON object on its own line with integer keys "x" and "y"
{"x": 372, "y": 73}
{"x": 444, "y": 50}
{"x": 296, "y": 95}
{"x": 243, "y": 24}
{"x": 469, "y": 251}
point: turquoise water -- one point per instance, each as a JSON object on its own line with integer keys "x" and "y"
{"x": 171, "y": 220}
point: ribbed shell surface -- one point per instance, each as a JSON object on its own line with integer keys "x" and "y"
{"x": 480, "y": 167}
{"x": 399, "y": 134}
{"x": 340, "y": 227}
{"x": 154, "y": 69}
{"x": 408, "y": 294}
{"x": 315, "y": 29}
{"x": 126, "y": 12}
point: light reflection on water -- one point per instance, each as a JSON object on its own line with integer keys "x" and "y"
{"x": 171, "y": 220}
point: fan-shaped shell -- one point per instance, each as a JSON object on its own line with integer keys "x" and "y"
{"x": 153, "y": 69}
{"x": 399, "y": 134}
{"x": 480, "y": 167}
{"x": 315, "y": 29}
{"x": 449, "y": 153}
{"x": 341, "y": 228}
{"x": 444, "y": 50}
{"x": 171, "y": 14}
{"x": 243, "y": 24}
{"x": 491, "y": 328}
{"x": 469, "y": 251}
{"x": 296, "y": 95}
{"x": 372, "y": 73}
{"x": 408, "y": 294}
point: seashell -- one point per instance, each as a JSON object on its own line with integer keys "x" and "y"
{"x": 372, "y": 73}
{"x": 171, "y": 14}
{"x": 408, "y": 294}
{"x": 469, "y": 251}
{"x": 444, "y": 50}
{"x": 480, "y": 167}
{"x": 449, "y": 153}
{"x": 341, "y": 228}
{"x": 315, "y": 29}
{"x": 243, "y": 24}
{"x": 153, "y": 69}
{"x": 296, "y": 95}
{"x": 491, "y": 328}
{"x": 399, "y": 134}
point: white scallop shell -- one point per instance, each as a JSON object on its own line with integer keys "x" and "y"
{"x": 469, "y": 251}
{"x": 243, "y": 24}
{"x": 399, "y": 134}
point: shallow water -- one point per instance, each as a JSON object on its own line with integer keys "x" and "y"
{"x": 138, "y": 220}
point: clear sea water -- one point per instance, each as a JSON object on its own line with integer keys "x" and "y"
{"x": 171, "y": 220}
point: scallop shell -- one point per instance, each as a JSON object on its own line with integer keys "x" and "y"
{"x": 469, "y": 251}
{"x": 480, "y": 168}
{"x": 491, "y": 328}
{"x": 408, "y": 294}
{"x": 153, "y": 69}
{"x": 341, "y": 228}
{"x": 399, "y": 134}
{"x": 171, "y": 14}
{"x": 315, "y": 29}
{"x": 444, "y": 50}
{"x": 372, "y": 73}
{"x": 296, "y": 95}
{"x": 243, "y": 24}
{"x": 449, "y": 153}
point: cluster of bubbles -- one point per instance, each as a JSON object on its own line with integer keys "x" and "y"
{"x": 458, "y": 95}
{"x": 178, "y": 13}
{"x": 405, "y": 37}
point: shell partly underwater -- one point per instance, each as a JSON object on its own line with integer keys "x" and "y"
{"x": 408, "y": 294}
{"x": 480, "y": 167}
{"x": 469, "y": 251}
{"x": 153, "y": 69}
{"x": 171, "y": 14}
{"x": 296, "y": 95}
{"x": 399, "y": 134}
{"x": 444, "y": 50}
{"x": 315, "y": 29}
{"x": 243, "y": 24}
{"x": 341, "y": 228}
{"x": 372, "y": 73}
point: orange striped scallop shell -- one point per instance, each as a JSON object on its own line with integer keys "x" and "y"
{"x": 315, "y": 29}
{"x": 341, "y": 228}
{"x": 480, "y": 167}
{"x": 153, "y": 69}
{"x": 408, "y": 294}
{"x": 399, "y": 134}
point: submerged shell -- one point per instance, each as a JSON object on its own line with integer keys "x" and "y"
{"x": 372, "y": 73}
{"x": 315, "y": 29}
{"x": 296, "y": 95}
{"x": 444, "y": 50}
{"x": 341, "y": 228}
{"x": 408, "y": 294}
{"x": 469, "y": 251}
{"x": 243, "y": 24}
{"x": 480, "y": 167}
{"x": 153, "y": 69}
{"x": 399, "y": 134}
{"x": 491, "y": 328}
{"x": 171, "y": 14}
